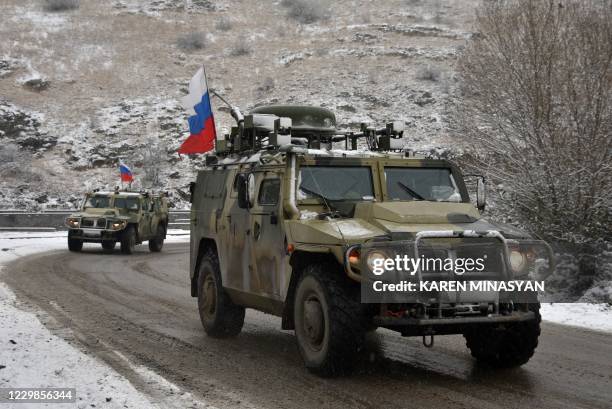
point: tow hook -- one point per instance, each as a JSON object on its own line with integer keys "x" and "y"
{"x": 429, "y": 344}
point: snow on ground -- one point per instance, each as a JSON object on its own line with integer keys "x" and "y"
{"x": 597, "y": 317}
{"x": 31, "y": 356}
{"x": 15, "y": 244}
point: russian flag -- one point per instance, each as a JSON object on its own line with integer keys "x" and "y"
{"x": 201, "y": 121}
{"x": 126, "y": 172}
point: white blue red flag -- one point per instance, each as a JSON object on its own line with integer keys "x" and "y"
{"x": 126, "y": 172}
{"x": 201, "y": 121}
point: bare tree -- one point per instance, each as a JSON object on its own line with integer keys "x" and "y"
{"x": 535, "y": 113}
{"x": 154, "y": 156}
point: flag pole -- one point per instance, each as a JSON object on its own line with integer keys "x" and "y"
{"x": 210, "y": 102}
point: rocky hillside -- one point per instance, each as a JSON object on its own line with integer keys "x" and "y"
{"x": 83, "y": 83}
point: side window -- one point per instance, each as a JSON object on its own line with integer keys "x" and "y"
{"x": 269, "y": 192}
{"x": 234, "y": 191}
{"x": 146, "y": 205}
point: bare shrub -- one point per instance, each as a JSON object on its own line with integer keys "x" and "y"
{"x": 224, "y": 24}
{"x": 9, "y": 153}
{"x": 191, "y": 41}
{"x": 154, "y": 156}
{"x": 15, "y": 164}
{"x": 61, "y": 5}
{"x": 429, "y": 73}
{"x": 241, "y": 47}
{"x": 536, "y": 114}
{"x": 268, "y": 84}
{"x": 307, "y": 11}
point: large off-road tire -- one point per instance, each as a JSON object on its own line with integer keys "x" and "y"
{"x": 329, "y": 320}
{"x": 108, "y": 246}
{"x": 74, "y": 244}
{"x": 128, "y": 240}
{"x": 507, "y": 346}
{"x": 220, "y": 317}
{"x": 156, "y": 244}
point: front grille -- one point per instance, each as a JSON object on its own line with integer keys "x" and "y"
{"x": 93, "y": 223}
{"x": 88, "y": 222}
{"x": 490, "y": 251}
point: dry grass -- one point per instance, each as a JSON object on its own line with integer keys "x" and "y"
{"x": 61, "y": 5}
{"x": 191, "y": 41}
{"x": 307, "y": 11}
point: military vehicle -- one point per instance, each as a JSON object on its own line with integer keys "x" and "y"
{"x": 283, "y": 224}
{"x": 129, "y": 218}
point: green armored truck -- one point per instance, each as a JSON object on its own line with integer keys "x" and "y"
{"x": 283, "y": 224}
{"x": 129, "y": 218}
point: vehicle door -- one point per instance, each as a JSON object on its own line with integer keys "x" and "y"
{"x": 237, "y": 273}
{"x": 268, "y": 247}
{"x": 144, "y": 227}
{"x": 155, "y": 211}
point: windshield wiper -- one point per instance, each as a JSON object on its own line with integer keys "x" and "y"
{"x": 326, "y": 201}
{"x": 410, "y": 191}
{"x": 316, "y": 194}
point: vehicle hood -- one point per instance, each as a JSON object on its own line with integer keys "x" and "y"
{"x": 94, "y": 213}
{"x": 395, "y": 220}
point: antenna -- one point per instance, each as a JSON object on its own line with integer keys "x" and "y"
{"x": 234, "y": 110}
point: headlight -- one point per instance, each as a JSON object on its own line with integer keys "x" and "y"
{"x": 375, "y": 262}
{"x": 118, "y": 225}
{"x": 533, "y": 258}
{"x": 73, "y": 223}
{"x": 518, "y": 261}
{"x": 353, "y": 257}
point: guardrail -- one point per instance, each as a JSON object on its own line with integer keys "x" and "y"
{"x": 54, "y": 219}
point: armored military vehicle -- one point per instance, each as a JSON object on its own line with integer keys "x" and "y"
{"x": 284, "y": 224}
{"x": 129, "y": 218}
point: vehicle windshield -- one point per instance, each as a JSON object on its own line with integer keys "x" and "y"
{"x": 97, "y": 202}
{"x": 432, "y": 184}
{"x": 129, "y": 203}
{"x": 336, "y": 182}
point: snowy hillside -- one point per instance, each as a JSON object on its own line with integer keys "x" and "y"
{"x": 82, "y": 87}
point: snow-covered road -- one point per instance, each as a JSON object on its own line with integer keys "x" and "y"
{"x": 31, "y": 356}
{"x": 35, "y": 354}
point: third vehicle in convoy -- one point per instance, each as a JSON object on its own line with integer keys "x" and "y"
{"x": 282, "y": 223}
{"x": 129, "y": 218}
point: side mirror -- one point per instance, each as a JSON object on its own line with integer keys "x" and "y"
{"x": 192, "y": 186}
{"x": 481, "y": 194}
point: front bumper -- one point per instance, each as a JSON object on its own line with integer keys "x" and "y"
{"x": 445, "y": 326}
{"x": 94, "y": 235}
{"x": 489, "y": 255}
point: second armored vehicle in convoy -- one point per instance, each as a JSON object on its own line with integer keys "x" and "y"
{"x": 283, "y": 223}
{"x": 129, "y": 218}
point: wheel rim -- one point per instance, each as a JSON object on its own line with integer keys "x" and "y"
{"x": 209, "y": 290}
{"x": 314, "y": 322}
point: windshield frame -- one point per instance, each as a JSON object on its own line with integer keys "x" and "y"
{"x": 377, "y": 167}
{"x": 135, "y": 198}
{"x": 339, "y": 163}
{"x": 90, "y": 196}
{"x": 455, "y": 174}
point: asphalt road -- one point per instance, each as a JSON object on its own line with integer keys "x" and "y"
{"x": 140, "y": 306}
